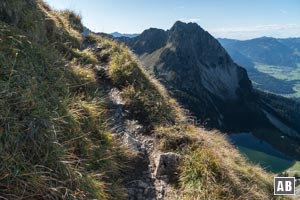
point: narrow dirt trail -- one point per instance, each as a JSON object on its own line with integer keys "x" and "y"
{"x": 139, "y": 178}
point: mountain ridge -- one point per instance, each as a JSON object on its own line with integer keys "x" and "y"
{"x": 218, "y": 78}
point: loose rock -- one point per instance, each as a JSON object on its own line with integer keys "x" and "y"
{"x": 166, "y": 165}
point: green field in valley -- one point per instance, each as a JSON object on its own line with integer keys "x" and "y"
{"x": 289, "y": 74}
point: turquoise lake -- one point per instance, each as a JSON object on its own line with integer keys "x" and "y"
{"x": 262, "y": 153}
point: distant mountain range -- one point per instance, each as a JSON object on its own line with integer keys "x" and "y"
{"x": 273, "y": 64}
{"x": 86, "y": 31}
{"x": 267, "y": 50}
{"x": 117, "y": 34}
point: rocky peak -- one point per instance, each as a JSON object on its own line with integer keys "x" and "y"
{"x": 191, "y": 39}
{"x": 180, "y": 26}
{"x": 147, "y": 42}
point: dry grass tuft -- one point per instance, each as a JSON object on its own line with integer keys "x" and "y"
{"x": 211, "y": 167}
{"x": 140, "y": 93}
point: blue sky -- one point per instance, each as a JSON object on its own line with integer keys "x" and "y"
{"x": 240, "y": 19}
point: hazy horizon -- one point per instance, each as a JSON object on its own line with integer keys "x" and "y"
{"x": 209, "y": 32}
{"x": 234, "y": 19}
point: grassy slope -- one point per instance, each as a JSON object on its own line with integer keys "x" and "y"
{"x": 54, "y": 142}
{"x": 53, "y": 139}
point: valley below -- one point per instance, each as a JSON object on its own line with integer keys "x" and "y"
{"x": 288, "y": 75}
{"x": 273, "y": 64}
{"x": 261, "y": 152}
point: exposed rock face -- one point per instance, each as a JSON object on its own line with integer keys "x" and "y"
{"x": 166, "y": 165}
{"x": 145, "y": 42}
{"x": 86, "y": 31}
{"x": 203, "y": 61}
{"x": 200, "y": 74}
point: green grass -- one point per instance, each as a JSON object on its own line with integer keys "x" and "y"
{"x": 283, "y": 73}
{"x": 295, "y": 168}
{"x": 279, "y": 72}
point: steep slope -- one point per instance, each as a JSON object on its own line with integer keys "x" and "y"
{"x": 63, "y": 99}
{"x": 54, "y": 142}
{"x": 286, "y": 109}
{"x": 199, "y": 72}
{"x": 292, "y": 43}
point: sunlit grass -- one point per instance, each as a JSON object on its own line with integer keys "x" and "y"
{"x": 53, "y": 136}
{"x": 295, "y": 168}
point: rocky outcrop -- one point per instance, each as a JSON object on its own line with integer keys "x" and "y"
{"x": 145, "y": 42}
{"x": 166, "y": 165}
